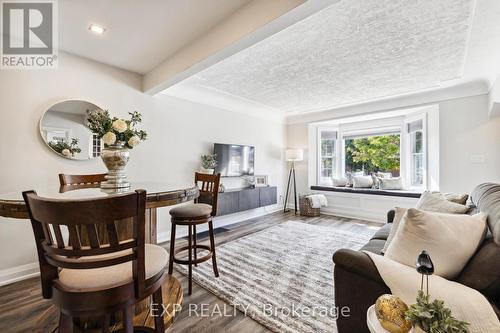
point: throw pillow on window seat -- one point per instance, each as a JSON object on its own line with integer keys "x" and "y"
{"x": 349, "y": 176}
{"x": 450, "y": 239}
{"x": 377, "y": 175}
{"x": 339, "y": 182}
{"x": 362, "y": 182}
{"x": 390, "y": 183}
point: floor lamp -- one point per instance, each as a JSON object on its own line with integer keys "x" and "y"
{"x": 292, "y": 155}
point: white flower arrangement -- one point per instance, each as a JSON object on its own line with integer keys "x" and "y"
{"x": 120, "y": 125}
{"x": 134, "y": 141}
{"x": 109, "y": 138}
{"x": 115, "y": 130}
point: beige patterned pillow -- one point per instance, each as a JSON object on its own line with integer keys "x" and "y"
{"x": 436, "y": 202}
{"x": 390, "y": 183}
{"x": 362, "y": 181}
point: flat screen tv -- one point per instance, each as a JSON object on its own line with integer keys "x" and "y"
{"x": 234, "y": 160}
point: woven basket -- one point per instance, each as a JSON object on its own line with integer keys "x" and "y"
{"x": 306, "y": 209}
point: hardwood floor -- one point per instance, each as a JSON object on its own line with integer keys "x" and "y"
{"x": 22, "y": 308}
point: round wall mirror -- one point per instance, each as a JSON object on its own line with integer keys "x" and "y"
{"x": 63, "y": 129}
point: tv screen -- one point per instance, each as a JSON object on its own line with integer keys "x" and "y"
{"x": 234, "y": 160}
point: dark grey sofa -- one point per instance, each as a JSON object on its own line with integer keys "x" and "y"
{"x": 358, "y": 283}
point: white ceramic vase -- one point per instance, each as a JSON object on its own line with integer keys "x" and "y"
{"x": 115, "y": 157}
{"x": 207, "y": 171}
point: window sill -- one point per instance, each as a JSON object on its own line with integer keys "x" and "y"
{"x": 391, "y": 193}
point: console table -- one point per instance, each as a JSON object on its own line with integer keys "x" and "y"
{"x": 238, "y": 200}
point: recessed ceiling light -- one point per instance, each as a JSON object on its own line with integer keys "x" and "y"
{"x": 97, "y": 29}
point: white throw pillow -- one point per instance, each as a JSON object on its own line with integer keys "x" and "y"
{"x": 398, "y": 216}
{"x": 436, "y": 202}
{"x": 349, "y": 176}
{"x": 362, "y": 181}
{"x": 390, "y": 183}
{"x": 339, "y": 182}
{"x": 450, "y": 239}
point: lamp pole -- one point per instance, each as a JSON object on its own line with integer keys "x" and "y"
{"x": 290, "y": 175}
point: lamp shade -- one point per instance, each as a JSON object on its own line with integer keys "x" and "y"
{"x": 295, "y": 154}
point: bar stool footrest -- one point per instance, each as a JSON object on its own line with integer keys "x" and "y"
{"x": 193, "y": 261}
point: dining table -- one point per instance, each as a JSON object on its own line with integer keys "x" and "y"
{"x": 159, "y": 194}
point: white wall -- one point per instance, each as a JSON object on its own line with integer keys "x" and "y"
{"x": 469, "y": 153}
{"x": 179, "y": 132}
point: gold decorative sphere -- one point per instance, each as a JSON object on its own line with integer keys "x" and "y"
{"x": 390, "y": 311}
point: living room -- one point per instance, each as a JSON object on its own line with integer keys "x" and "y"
{"x": 312, "y": 129}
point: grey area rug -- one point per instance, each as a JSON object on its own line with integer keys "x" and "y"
{"x": 282, "y": 276}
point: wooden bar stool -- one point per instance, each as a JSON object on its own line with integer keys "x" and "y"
{"x": 202, "y": 211}
{"x": 96, "y": 280}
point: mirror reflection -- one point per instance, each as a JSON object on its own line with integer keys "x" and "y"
{"x": 63, "y": 129}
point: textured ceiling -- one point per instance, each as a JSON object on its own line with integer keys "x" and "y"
{"x": 349, "y": 52}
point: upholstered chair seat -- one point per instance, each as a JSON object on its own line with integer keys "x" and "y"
{"x": 156, "y": 259}
{"x": 191, "y": 211}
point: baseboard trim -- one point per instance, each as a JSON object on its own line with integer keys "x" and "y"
{"x": 19, "y": 273}
{"x": 225, "y": 220}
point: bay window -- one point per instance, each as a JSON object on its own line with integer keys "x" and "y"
{"x": 395, "y": 146}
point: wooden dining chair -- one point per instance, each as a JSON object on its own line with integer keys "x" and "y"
{"x": 96, "y": 280}
{"x": 81, "y": 179}
{"x": 202, "y": 211}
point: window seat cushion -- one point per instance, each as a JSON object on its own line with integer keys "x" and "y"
{"x": 373, "y": 191}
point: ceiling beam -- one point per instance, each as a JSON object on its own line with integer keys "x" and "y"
{"x": 250, "y": 24}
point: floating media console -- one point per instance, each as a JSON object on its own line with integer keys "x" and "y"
{"x": 233, "y": 201}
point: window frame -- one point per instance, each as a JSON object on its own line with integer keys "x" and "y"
{"x": 408, "y": 152}
{"x": 319, "y": 156}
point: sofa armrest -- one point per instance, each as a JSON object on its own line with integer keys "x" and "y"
{"x": 357, "y": 286}
{"x": 357, "y": 262}
{"x": 390, "y": 216}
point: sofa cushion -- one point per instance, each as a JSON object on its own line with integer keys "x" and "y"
{"x": 486, "y": 197}
{"x": 482, "y": 272}
{"x": 375, "y": 246}
{"x": 383, "y": 233}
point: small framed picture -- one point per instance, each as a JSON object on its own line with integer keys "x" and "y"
{"x": 260, "y": 181}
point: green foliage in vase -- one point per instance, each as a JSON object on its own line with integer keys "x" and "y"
{"x": 209, "y": 161}
{"x": 374, "y": 153}
{"x": 434, "y": 317}
{"x": 64, "y": 148}
{"x": 115, "y": 130}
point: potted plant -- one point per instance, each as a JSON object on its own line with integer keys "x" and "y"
{"x": 119, "y": 136}
{"x": 208, "y": 163}
{"x": 433, "y": 317}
